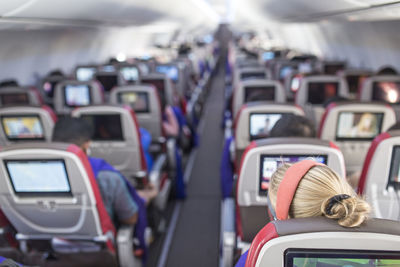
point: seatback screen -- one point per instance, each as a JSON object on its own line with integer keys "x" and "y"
{"x": 270, "y": 163}
{"x": 386, "y": 91}
{"x": 252, "y": 75}
{"x": 14, "y": 99}
{"x": 106, "y": 127}
{"x": 77, "y": 95}
{"x": 159, "y": 84}
{"x": 85, "y": 74}
{"x": 171, "y": 71}
{"x": 139, "y": 101}
{"x": 38, "y": 176}
{"x": 108, "y": 81}
{"x": 340, "y": 258}
{"x": 261, "y": 124}
{"x": 130, "y": 74}
{"x": 319, "y": 92}
{"x": 27, "y": 127}
{"x": 258, "y": 93}
{"x": 361, "y": 126}
{"x": 394, "y": 174}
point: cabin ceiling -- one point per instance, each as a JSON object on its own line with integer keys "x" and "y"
{"x": 170, "y": 15}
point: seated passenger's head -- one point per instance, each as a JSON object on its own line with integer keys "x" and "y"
{"x": 291, "y": 125}
{"x": 387, "y": 70}
{"x": 320, "y": 192}
{"x": 73, "y": 130}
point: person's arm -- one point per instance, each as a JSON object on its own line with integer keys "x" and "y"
{"x": 123, "y": 206}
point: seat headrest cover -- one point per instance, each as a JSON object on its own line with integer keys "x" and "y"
{"x": 288, "y": 186}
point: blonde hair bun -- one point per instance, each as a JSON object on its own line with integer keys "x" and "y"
{"x": 350, "y": 211}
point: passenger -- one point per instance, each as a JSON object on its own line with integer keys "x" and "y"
{"x": 321, "y": 192}
{"x": 122, "y": 202}
{"x": 387, "y": 70}
{"x": 117, "y": 201}
{"x": 291, "y": 125}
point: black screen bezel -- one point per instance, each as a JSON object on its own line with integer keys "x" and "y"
{"x": 38, "y": 194}
{"x": 145, "y": 94}
{"x": 122, "y": 139}
{"x": 337, "y": 138}
{"x": 262, "y": 192}
{"x": 2, "y": 117}
{"x": 252, "y": 138}
{"x": 291, "y": 253}
{"x": 321, "y": 82}
{"x": 77, "y": 106}
{"x": 15, "y": 94}
{"x": 375, "y": 87}
{"x": 393, "y": 170}
{"x": 268, "y": 87}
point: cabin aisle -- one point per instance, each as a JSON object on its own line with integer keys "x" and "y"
{"x": 196, "y": 238}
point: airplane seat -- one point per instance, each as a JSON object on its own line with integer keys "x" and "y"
{"x": 323, "y": 242}
{"x": 117, "y": 140}
{"x": 50, "y": 195}
{"x": 379, "y": 180}
{"x": 248, "y": 212}
{"x": 257, "y": 90}
{"x": 28, "y": 123}
{"x": 108, "y": 79}
{"x": 251, "y": 120}
{"x": 163, "y": 85}
{"x": 21, "y": 96}
{"x": 175, "y": 72}
{"x": 129, "y": 74}
{"x": 384, "y": 88}
{"x": 355, "y": 79}
{"x": 248, "y": 73}
{"x": 146, "y": 103}
{"x": 315, "y": 90}
{"x": 254, "y": 121}
{"x": 353, "y": 126}
{"x": 71, "y": 94}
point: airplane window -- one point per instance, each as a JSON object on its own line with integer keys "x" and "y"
{"x": 77, "y": 95}
{"x": 106, "y": 127}
{"x": 85, "y": 74}
{"x": 394, "y": 175}
{"x": 386, "y": 91}
{"x": 319, "y": 92}
{"x": 38, "y": 177}
{"x": 14, "y": 99}
{"x": 266, "y": 93}
{"x": 130, "y": 74}
{"x": 252, "y": 75}
{"x": 28, "y": 127}
{"x": 159, "y": 84}
{"x": 339, "y": 258}
{"x": 107, "y": 81}
{"x": 358, "y": 125}
{"x": 139, "y": 101}
{"x": 270, "y": 163}
{"x": 262, "y": 123}
{"x": 171, "y": 71}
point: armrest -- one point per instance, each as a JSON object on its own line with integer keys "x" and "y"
{"x": 171, "y": 150}
{"x": 156, "y": 173}
{"x": 228, "y": 233}
{"x": 125, "y": 247}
